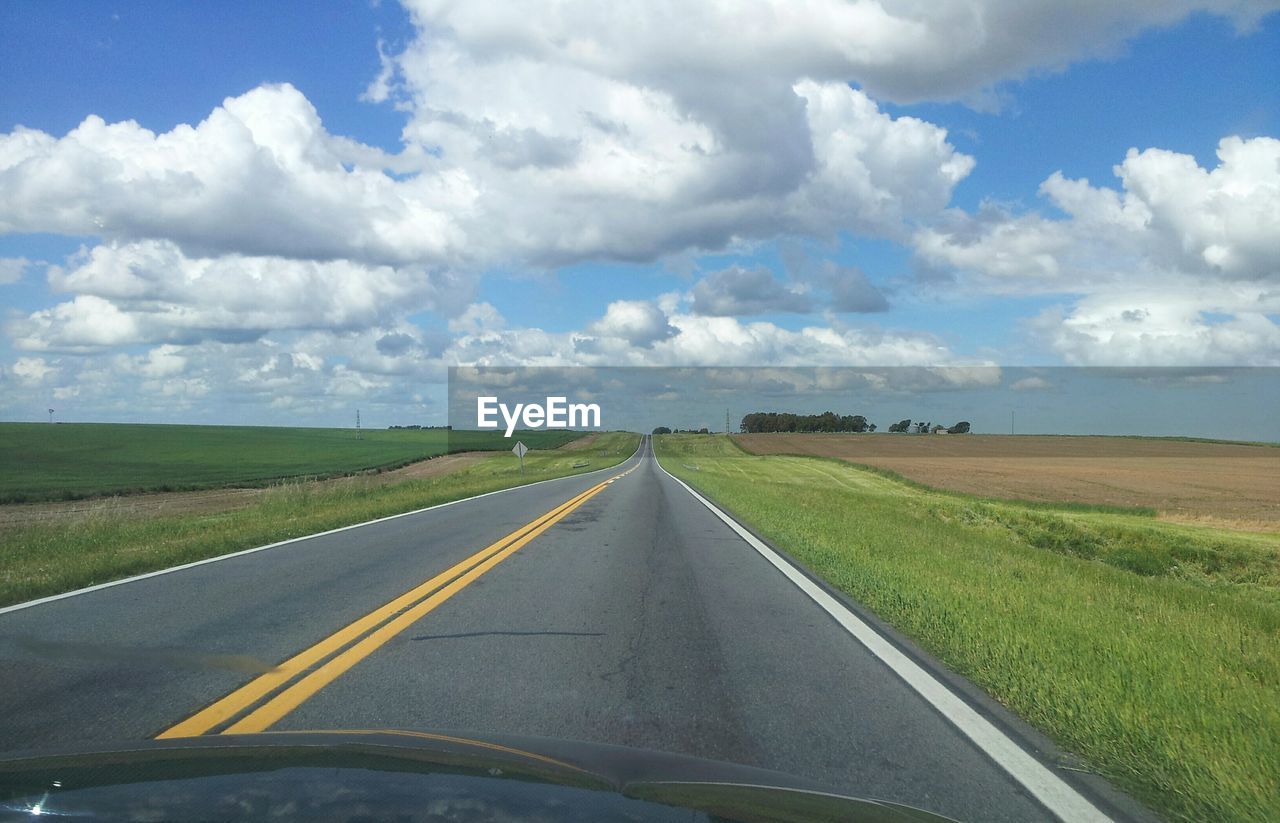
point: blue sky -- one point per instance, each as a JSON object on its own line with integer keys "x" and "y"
{"x": 392, "y": 190}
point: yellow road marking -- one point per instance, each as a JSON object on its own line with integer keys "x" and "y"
{"x": 289, "y": 699}
{"x": 258, "y": 688}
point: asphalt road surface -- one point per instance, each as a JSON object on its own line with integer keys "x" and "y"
{"x": 612, "y": 607}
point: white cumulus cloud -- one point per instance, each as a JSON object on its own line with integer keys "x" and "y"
{"x": 1170, "y": 216}
{"x": 259, "y": 176}
{"x": 1180, "y": 265}
{"x": 639, "y": 322}
{"x": 1188, "y": 326}
{"x": 905, "y": 50}
{"x": 150, "y": 291}
{"x": 681, "y": 339}
{"x": 33, "y": 370}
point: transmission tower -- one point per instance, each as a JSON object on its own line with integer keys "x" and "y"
{"x": 359, "y": 433}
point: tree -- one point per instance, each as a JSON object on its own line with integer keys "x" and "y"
{"x": 871, "y": 427}
{"x": 900, "y": 426}
{"x": 703, "y": 430}
{"x": 828, "y": 421}
{"x": 960, "y": 428}
{"x": 853, "y": 423}
{"x": 662, "y": 430}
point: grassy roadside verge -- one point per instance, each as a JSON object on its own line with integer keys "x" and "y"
{"x": 37, "y": 560}
{"x": 79, "y": 460}
{"x": 1151, "y": 649}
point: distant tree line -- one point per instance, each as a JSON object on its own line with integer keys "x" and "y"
{"x": 758, "y": 422}
{"x": 416, "y": 426}
{"x": 770, "y": 422}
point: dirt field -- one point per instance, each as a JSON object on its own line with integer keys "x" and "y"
{"x": 1234, "y": 486}
{"x": 582, "y": 443}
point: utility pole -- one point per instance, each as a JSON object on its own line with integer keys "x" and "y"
{"x": 1011, "y": 414}
{"x": 359, "y": 434}
{"x": 727, "y": 430}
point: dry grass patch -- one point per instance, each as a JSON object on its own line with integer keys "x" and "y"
{"x": 216, "y": 500}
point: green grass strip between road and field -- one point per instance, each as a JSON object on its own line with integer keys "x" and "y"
{"x": 1151, "y": 649}
{"x": 77, "y": 460}
{"x": 111, "y": 541}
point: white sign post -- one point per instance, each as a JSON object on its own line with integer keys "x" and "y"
{"x": 520, "y": 448}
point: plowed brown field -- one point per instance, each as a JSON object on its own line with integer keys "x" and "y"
{"x": 1235, "y": 486}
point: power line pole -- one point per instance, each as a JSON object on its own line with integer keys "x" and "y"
{"x": 359, "y": 434}
{"x": 726, "y": 422}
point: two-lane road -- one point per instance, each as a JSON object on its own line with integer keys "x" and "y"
{"x": 612, "y": 607}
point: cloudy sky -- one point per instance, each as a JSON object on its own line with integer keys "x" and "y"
{"x": 275, "y": 213}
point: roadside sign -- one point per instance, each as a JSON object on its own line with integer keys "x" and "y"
{"x": 520, "y": 449}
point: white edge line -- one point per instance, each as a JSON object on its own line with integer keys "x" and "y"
{"x": 51, "y": 598}
{"x": 1055, "y": 794}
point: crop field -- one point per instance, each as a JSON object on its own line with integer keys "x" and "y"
{"x": 75, "y": 460}
{"x": 1231, "y": 485}
{"x": 109, "y": 539}
{"x": 1149, "y": 649}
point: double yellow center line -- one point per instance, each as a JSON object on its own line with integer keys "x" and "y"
{"x": 255, "y": 706}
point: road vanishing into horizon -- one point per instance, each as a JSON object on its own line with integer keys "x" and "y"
{"x": 612, "y": 607}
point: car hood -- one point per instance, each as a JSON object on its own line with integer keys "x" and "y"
{"x": 411, "y": 775}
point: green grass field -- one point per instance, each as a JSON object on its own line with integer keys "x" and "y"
{"x": 74, "y": 460}
{"x": 1149, "y": 648}
{"x": 41, "y": 559}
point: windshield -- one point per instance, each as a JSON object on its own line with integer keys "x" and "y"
{"x": 877, "y": 395}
